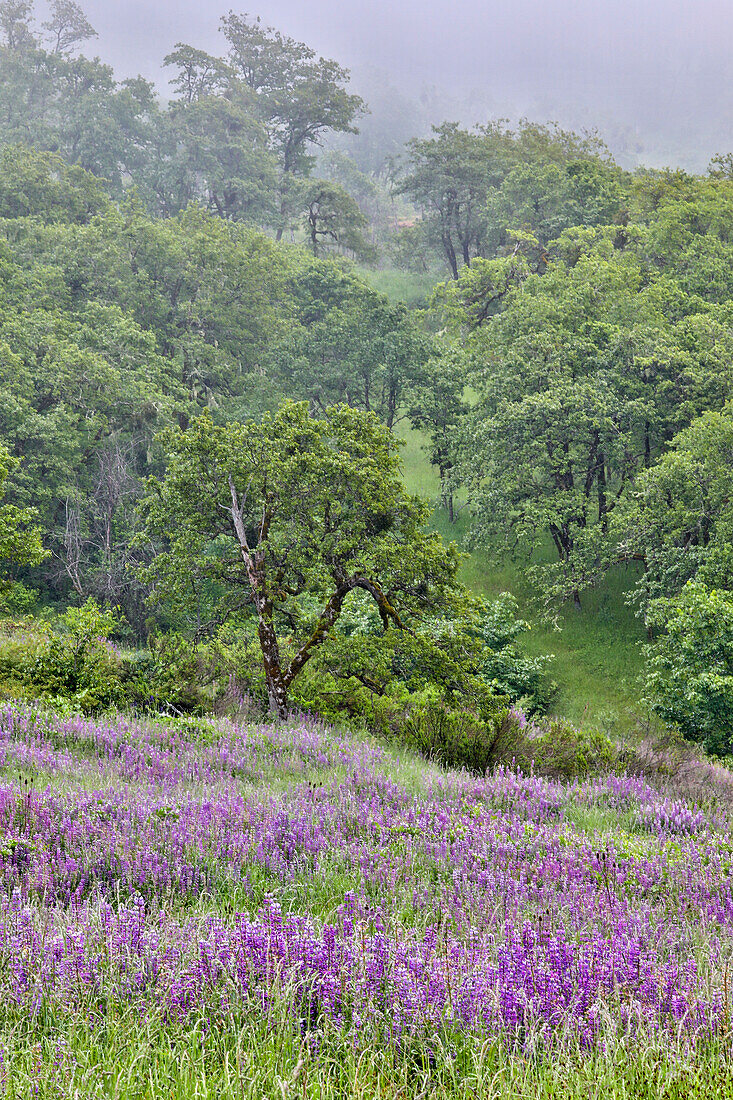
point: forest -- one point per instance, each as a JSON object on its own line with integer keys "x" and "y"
{"x": 378, "y": 483}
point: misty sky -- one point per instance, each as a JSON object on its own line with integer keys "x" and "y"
{"x": 664, "y": 67}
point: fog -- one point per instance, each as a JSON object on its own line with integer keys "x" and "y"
{"x": 655, "y": 76}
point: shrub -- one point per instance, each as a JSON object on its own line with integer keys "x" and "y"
{"x": 454, "y": 736}
{"x": 71, "y": 660}
{"x": 73, "y": 663}
{"x": 689, "y": 678}
{"x": 171, "y": 675}
{"x": 460, "y": 738}
{"x": 20, "y": 642}
{"x": 17, "y": 599}
{"x": 561, "y": 751}
{"x": 505, "y": 668}
{"x": 78, "y": 663}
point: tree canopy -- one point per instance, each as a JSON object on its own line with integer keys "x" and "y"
{"x": 114, "y": 324}
{"x": 287, "y": 517}
{"x": 584, "y": 373}
{"x": 473, "y": 188}
{"x": 20, "y": 537}
{"x": 178, "y": 269}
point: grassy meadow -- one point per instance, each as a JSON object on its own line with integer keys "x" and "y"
{"x": 412, "y": 288}
{"x": 203, "y": 908}
{"x": 597, "y": 650}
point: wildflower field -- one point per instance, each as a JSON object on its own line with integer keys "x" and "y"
{"x": 190, "y": 908}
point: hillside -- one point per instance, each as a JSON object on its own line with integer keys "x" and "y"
{"x": 206, "y": 907}
{"x": 597, "y": 651}
{"x": 213, "y": 909}
{"x": 366, "y": 586}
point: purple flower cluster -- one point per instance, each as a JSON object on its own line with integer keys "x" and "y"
{"x": 370, "y": 898}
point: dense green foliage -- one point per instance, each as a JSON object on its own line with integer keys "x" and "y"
{"x": 571, "y": 380}
{"x": 690, "y": 674}
{"x": 475, "y": 188}
{"x": 204, "y": 404}
{"x": 116, "y": 327}
{"x": 237, "y": 137}
{"x": 286, "y": 518}
{"x": 20, "y": 540}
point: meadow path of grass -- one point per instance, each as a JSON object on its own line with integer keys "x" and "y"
{"x": 597, "y": 650}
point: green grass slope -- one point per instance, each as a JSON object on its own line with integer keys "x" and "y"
{"x": 597, "y": 650}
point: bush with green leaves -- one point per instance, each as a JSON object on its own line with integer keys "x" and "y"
{"x": 69, "y": 659}
{"x": 21, "y": 639}
{"x": 172, "y": 675}
{"x": 454, "y": 736}
{"x": 17, "y": 598}
{"x": 561, "y": 751}
{"x": 501, "y": 735}
{"x": 689, "y": 678}
{"x": 77, "y": 662}
{"x": 505, "y": 667}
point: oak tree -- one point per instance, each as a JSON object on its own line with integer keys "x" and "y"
{"x": 286, "y": 518}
